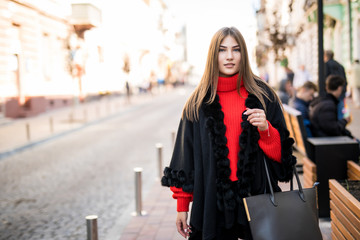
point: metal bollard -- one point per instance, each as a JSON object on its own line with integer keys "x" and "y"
{"x": 138, "y": 196}
{"x": 159, "y": 147}
{"x": 51, "y": 122}
{"x": 28, "y": 136}
{"x": 91, "y": 226}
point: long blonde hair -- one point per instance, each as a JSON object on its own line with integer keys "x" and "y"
{"x": 209, "y": 79}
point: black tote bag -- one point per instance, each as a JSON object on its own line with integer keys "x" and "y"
{"x": 290, "y": 215}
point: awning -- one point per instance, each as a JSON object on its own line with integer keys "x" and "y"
{"x": 335, "y": 11}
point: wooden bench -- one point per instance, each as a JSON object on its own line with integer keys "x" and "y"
{"x": 323, "y": 158}
{"x": 345, "y": 212}
{"x": 309, "y": 169}
{"x": 353, "y": 170}
{"x": 295, "y": 124}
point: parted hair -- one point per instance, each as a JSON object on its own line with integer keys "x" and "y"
{"x": 209, "y": 81}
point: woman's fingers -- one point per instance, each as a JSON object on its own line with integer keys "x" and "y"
{"x": 186, "y": 228}
{"x": 180, "y": 229}
{"x": 257, "y": 118}
{"x": 181, "y": 224}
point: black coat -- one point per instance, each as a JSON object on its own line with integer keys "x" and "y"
{"x": 200, "y": 165}
{"x": 324, "y": 118}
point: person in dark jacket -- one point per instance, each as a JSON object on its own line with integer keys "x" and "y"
{"x": 231, "y": 123}
{"x": 304, "y": 95}
{"x": 323, "y": 111}
{"x": 332, "y": 67}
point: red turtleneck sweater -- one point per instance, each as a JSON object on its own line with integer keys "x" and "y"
{"x": 233, "y": 105}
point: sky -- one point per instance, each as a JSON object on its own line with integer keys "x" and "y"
{"x": 204, "y": 18}
{"x": 125, "y": 25}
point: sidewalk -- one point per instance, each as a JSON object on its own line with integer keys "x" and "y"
{"x": 159, "y": 222}
{"x": 19, "y": 134}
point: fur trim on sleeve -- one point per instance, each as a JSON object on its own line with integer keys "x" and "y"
{"x": 173, "y": 178}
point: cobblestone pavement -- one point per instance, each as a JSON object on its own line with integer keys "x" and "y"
{"x": 85, "y": 167}
{"x": 47, "y": 190}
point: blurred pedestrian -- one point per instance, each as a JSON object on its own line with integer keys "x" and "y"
{"x": 301, "y": 76}
{"x": 126, "y": 69}
{"x": 355, "y": 82}
{"x": 128, "y": 91}
{"x": 286, "y": 91}
{"x": 304, "y": 95}
{"x": 332, "y": 67}
{"x": 289, "y": 73}
{"x": 323, "y": 111}
{"x": 79, "y": 60}
{"x": 232, "y": 122}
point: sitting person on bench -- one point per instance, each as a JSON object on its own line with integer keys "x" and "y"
{"x": 323, "y": 111}
{"x": 301, "y": 102}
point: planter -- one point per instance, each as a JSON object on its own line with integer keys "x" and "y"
{"x": 330, "y": 154}
{"x": 309, "y": 169}
{"x": 345, "y": 210}
{"x": 353, "y": 171}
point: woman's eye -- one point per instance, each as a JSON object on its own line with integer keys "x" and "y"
{"x": 237, "y": 50}
{"x": 222, "y": 50}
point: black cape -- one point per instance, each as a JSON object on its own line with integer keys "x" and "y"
{"x": 200, "y": 165}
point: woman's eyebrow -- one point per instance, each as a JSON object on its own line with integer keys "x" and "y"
{"x": 236, "y": 46}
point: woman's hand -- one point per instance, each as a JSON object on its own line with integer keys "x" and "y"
{"x": 257, "y": 118}
{"x": 181, "y": 224}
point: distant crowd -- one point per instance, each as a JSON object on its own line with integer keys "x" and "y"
{"x": 323, "y": 115}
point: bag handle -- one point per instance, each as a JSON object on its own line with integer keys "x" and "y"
{"x": 272, "y": 195}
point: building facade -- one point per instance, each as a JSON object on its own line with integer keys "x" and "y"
{"x": 36, "y": 55}
{"x": 288, "y": 30}
{"x": 53, "y": 52}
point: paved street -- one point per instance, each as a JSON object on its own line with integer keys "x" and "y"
{"x": 47, "y": 190}
{"x": 85, "y": 167}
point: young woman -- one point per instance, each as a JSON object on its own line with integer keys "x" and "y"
{"x": 230, "y": 124}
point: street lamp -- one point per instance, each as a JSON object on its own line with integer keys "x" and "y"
{"x": 321, "y": 74}
{"x": 350, "y": 31}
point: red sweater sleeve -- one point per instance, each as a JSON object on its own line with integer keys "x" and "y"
{"x": 183, "y": 199}
{"x": 270, "y": 143}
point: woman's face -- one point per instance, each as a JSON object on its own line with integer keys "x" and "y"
{"x": 229, "y": 57}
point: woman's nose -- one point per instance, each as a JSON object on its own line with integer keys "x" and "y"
{"x": 229, "y": 55}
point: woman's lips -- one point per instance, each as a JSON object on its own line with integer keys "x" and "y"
{"x": 229, "y": 65}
